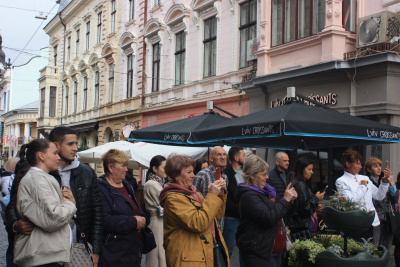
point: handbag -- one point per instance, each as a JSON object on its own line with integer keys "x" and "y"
{"x": 219, "y": 259}
{"x": 148, "y": 243}
{"x": 288, "y": 242}
{"x": 289, "y": 245}
{"x": 394, "y": 217}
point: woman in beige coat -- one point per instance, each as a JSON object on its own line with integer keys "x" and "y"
{"x": 155, "y": 180}
{"x": 41, "y": 201}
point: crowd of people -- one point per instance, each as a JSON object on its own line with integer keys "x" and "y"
{"x": 57, "y": 211}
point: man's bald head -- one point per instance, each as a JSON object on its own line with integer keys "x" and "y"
{"x": 218, "y": 157}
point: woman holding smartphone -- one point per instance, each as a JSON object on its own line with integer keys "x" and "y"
{"x": 41, "y": 201}
{"x": 300, "y": 223}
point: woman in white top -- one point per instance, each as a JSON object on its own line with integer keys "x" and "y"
{"x": 155, "y": 180}
{"x": 41, "y": 201}
{"x": 359, "y": 188}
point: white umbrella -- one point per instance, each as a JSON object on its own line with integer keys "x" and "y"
{"x": 139, "y": 153}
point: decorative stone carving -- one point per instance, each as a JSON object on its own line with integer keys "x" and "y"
{"x": 217, "y": 6}
{"x": 329, "y": 13}
{"x": 196, "y": 18}
{"x": 337, "y": 13}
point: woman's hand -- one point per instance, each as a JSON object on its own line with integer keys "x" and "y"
{"x": 320, "y": 195}
{"x": 141, "y": 222}
{"x": 386, "y": 177}
{"x": 216, "y": 187}
{"x": 67, "y": 194}
{"x": 290, "y": 193}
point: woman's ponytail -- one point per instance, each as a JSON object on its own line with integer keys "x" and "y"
{"x": 22, "y": 167}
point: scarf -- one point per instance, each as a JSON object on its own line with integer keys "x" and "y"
{"x": 266, "y": 190}
{"x": 174, "y": 187}
{"x": 154, "y": 177}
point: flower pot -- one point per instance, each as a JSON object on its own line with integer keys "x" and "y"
{"x": 330, "y": 259}
{"x": 355, "y": 221}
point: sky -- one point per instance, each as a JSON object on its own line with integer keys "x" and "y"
{"x": 18, "y": 25}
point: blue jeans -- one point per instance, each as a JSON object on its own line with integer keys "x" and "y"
{"x": 229, "y": 233}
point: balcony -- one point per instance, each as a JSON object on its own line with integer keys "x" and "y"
{"x": 48, "y": 71}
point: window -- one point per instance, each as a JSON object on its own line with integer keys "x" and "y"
{"x": 99, "y": 27}
{"x": 66, "y": 99}
{"x": 248, "y": 30}
{"x": 130, "y": 76}
{"x": 156, "y": 67}
{"x": 42, "y": 101}
{"x": 319, "y": 14}
{"x": 111, "y": 83}
{"x": 349, "y": 15}
{"x": 85, "y": 86}
{"x": 96, "y": 88}
{"x": 52, "y": 106}
{"x": 131, "y": 9}
{"x": 55, "y": 55}
{"x": 69, "y": 48}
{"x": 113, "y": 15}
{"x": 180, "y": 54}
{"x": 210, "y": 47}
{"x": 296, "y": 19}
{"x": 77, "y": 43}
{"x": 75, "y": 95}
{"x": 157, "y": 2}
{"x": 87, "y": 35}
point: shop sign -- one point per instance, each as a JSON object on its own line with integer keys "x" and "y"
{"x": 329, "y": 99}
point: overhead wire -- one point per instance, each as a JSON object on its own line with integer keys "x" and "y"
{"x": 32, "y": 37}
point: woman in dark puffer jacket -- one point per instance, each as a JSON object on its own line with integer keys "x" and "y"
{"x": 260, "y": 235}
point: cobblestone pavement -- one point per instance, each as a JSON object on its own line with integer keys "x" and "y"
{"x": 3, "y": 243}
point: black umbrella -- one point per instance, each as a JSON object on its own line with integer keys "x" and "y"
{"x": 177, "y": 132}
{"x": 297, "y": 125}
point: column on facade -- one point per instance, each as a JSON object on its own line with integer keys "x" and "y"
{"x": 17, "y": 131}
{"x": 27, "y": 132}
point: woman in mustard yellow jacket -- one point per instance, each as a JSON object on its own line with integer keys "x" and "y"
{"x": 190, "y": 221}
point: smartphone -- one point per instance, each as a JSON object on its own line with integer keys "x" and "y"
{"x": 326, "y": 188}
{"x": 218, "y": 173}
{"x": 63, "y": 187}
{"x": 387, "y": 164}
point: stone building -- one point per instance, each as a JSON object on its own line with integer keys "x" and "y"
{"x": 20, "y": 126}
{"x": 93, "y": 81}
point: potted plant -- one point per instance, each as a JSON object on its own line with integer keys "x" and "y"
{"x": 328, "y": 251}
{"x": 344, "y": 215}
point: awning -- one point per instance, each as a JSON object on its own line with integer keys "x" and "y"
{"x": 85, "y": 127}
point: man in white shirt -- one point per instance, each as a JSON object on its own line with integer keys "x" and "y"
{"x": 359, "y": 188}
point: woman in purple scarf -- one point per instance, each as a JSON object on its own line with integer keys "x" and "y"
{"x": 260, "y": 235}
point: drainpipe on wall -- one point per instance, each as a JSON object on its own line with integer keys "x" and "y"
{"x": 144, "y": 54}
{"x": 63, "y": 67}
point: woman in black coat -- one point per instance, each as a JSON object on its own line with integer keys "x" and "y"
{"x": 123, "y": 218}
{"x": 260, "y": 235}
{"x": 306, "y": 204}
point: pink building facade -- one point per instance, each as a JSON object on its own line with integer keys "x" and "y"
{"x": 325, "y": 50}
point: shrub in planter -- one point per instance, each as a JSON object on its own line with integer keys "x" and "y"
{"x": 328, "y": 250}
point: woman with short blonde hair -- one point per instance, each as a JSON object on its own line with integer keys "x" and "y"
{"x": 123, "y": 217}
{"x": 255, "y": 165}
{"x": 260, "y": 235}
